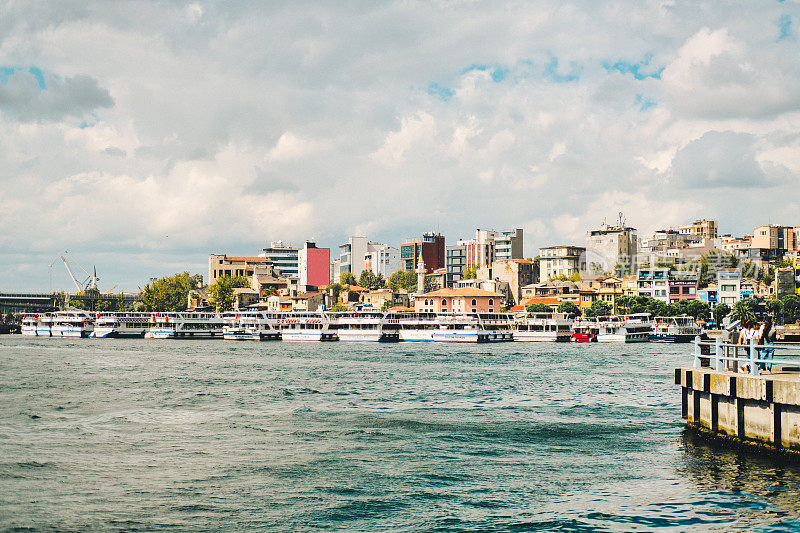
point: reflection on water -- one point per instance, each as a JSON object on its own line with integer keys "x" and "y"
{"x": 716, "y": 467}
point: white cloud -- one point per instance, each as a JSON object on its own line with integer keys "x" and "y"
{"x": 226, "y": 125}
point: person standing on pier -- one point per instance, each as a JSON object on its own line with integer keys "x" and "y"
{"x": 766, "y": 337}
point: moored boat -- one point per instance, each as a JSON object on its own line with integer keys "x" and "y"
{"x": 121, "y": 324}
{"x": 364, "y": 326}
{"x": 674, "y": 329}
{"x": 29, "y": 325}
{"x": 543, "y": 327}
{"x": 306, "y": 326}
{"x": 74, "y": 323}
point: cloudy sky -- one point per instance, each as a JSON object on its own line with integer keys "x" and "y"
{"x": 142, "y": 136}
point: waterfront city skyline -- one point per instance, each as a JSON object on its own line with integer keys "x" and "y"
{"x": 146, "y": 136}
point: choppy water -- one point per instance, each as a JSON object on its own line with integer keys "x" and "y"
{"x": 190, "y": 435}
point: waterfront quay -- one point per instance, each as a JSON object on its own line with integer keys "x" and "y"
{"x": 736, "y": 395}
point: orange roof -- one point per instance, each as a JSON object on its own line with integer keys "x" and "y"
{"x": 523, "y": 261}
{"x": 463, "y": 291}
{"x": 400, "y": 308}
{"x": 305, "y": 296}
{"x": 356, "y": 288}
{"x": 545, "y": 300}
{"x": 248, "y": 259}
{"x": 517, "y": 308}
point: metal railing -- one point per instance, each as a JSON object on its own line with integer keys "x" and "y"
{"x": 756, "y": 356}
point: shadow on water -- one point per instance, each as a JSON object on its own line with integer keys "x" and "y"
{"x": 714, "y": 466}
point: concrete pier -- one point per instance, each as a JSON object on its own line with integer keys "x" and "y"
{"x": 757, "y": 411}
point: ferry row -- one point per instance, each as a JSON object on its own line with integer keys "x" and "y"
{"x": 367, "y": 326}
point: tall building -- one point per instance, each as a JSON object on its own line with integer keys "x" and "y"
{"x": 431, "y": 245}
{"x": 704, "y": 229}
{"x": 283, "y": 257}
{"x": 508, "y": 245}
{"x": 351, "y": 255}
{"x": 455, "y": 263}
{"x": 490, "y": 245}
{"x": 221, "y": 265}
{"x": 557, "y": 261}
{"x": 383, "y": 260}
{"x": 612, "y": 245}
{"x": 777, "y": 239}
{"x": 314, "y": 265}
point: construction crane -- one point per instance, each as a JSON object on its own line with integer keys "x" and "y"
{"x": 91, "y": 279}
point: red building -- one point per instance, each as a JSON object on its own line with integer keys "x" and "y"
{"x": 682, "y": 287}
{"x": 432, "y": 247}
{"x": 314, "y": 265}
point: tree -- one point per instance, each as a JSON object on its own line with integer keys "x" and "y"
{"x": 720, "y": 312}
{"x": 791, "y": 308}
{"x": 469, "y": 272}
{"x": 744, "y": 310}
{"x": 698, "y": 309}
{"x": 169, "y": 293}
{"x": 403, "y": 279}
{"x": 569, "y": 308}
{"x": 431, "y": 284}
{"x": 222, "y": 291}
{"x": 338, "y": 308}
{"x": 335, "y": 289}
{"x": 775, "y": 308}
{"x": 538, "y": 308}
{"x": 347, "y": 278}
{"x": 598, "y": 308}
{"x": 369, "y": 280}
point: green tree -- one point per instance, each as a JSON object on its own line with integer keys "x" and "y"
{"x": 469, "y": 272}
{"x": 370, "y": 281}
{"x": 775, "y": 308}
{"x": 338, "y": 308}
{"x": 744, "y": 310}
{"x": 403, "y": 279}
{"x": 791, "y": 308}
{"x": 569, "y": 308}
{"x": 222, "y": 291}
{"x": 9, "y": 319}
{"x": 347, "y": 278}
{"x": 538, "y": 308}
{"x": 720, "y": 312}
{"x": 431, "y": 284}
{"x": 698, "y": 309}
{"x": 335, "y": 289}
{"x": 598, "y": 308}
{"x": 169, "y": 293}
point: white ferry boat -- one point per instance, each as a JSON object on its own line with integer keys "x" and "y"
{"x": 44, "y": 325}
{"x": 474, "y": 327}
{"x": 624, "y": 328}
{"x": 543, "y": 327}
{"x": 121, "y": 324}
{"x": 307, "y": 326}
{"x": 414, "y": 327}
{"x": 29, "y": 325}
{"x": 584, "y": 330}
{"x": 185, "y": 325}
{"x": 674, "y": 329}
{"x": 364, "y": 326}
{"x": 74, "y": 323}
{"x": 251, "y": 325}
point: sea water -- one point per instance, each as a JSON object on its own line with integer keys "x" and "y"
{"x": 105, "y": 434}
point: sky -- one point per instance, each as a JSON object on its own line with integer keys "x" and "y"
{"x": 142, "y": 136}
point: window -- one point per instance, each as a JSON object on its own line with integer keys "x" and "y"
{"x": 491, "y": 301}
{"x": 474, "y": 302}
{"x": 444, "y": 302}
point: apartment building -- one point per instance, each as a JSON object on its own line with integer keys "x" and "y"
{"x": 555, "y": 261}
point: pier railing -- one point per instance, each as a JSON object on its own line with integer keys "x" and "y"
{"x": 725, "y": 355}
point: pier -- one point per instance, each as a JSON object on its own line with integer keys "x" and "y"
{"x": 731, "y": 394}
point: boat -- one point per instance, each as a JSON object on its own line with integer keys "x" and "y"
{"x": 44, "y": 325}
{"x": 306, "y": 326}
{"x": 186, "y": 325}
{"x": 474, "y": 328}
{"x": 121, "y": 324}
{"x": 364, "y": 326}
{"x": 584, "y": 330}
{"x": 624, "y": 328}
{"x": 414, "y": 327}
{"x": 251, "y": 325}
{"x": 29, "y": 325}
{"x": 74, "y": 323}
{"x": 543, "y": 327}
{"x": 674, "y": 329}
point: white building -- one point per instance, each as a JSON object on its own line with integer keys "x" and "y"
{"x": 555, "y": 261}
{"x": 383, "y": 260}
{"x": 610, "y": 246}
{"x": 729, "y": 283}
